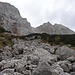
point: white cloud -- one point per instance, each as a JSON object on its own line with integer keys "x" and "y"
{"x": 40, "y": 11}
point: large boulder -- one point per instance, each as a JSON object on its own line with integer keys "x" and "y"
{"x": 56, "y": 69}
{"x": 42, "y": 69}
{"x": 72, "y": 73}
{"x": 65, "y": 52}
{"x": 71, "y": 59}
{"x": 66, "y": 66}
{"x": 44, "y": 55}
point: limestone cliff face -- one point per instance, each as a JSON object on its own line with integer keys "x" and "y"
{"x": 11, "y": 20}
{"x": 54, "y": 29}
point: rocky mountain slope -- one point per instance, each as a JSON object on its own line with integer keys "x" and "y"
{"x": 36, "y": 53}
{"x": 54, "y": 29}
{"x": 31, "y": 56}
{"x": 11, "y": 20}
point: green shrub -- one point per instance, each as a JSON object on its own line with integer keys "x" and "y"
{"x": 53, "y": 39}
{"x": 2, "y": 29}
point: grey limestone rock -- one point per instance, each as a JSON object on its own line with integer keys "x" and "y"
{"x": 16, "y": 73}
{"x": 42, "y": 69}
{"x": 73, "y": 66}
{"x": 56, "y": 69}
{"x": 44, "y": 55}
{"x": 65, "y": 52}
{"x": 54, "y": 29}
{"x": 66, "y": 66}
{"x": 65, "y": 73}
{"x": 71, "y": 59}
{"x": 1, "y": 74}
{"x": 72, "y": 73}
{"x": 8, "y": 71}
{"x": 11, "y": 20}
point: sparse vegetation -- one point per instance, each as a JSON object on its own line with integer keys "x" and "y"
{"x": 52, "y": 39}
{"x": 5, "y": 39}
{"x": 2, "y": 29}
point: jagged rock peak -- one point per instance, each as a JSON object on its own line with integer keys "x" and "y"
{"x": 8, "y": 8}
{"x": 45, "y": 28}
{"x": 48, "y": 23}
{"x": 45, "y": 24}
{"x": 54, "y": 29}
{"x": 12, "y": 21}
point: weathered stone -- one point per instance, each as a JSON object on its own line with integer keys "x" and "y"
{"x": 42, "y": 69}
{"x": 72, "y": 73}
{"x": 16, "y": 73}
{"x": 56, "y": 69}
{"x": 71, "y": 59}
{"x": 52, "y": 50}
{"x": 47, "y": 47}
{"x": 65, "y": 73}
{"x": 19, "y": 67}
{"x": 44, "y": 55}
{"x": 8, "y": 71}
{"x": 11, "y": 20}
{"x": 65, "y": 52}
{"x": 35, "y": 60}
{"x": 1, "y": 74}
{"x": 66, "y": 66}
{"x": 73, "y": 67}
{"x": 6, "y": 54}
{"x": 27, "y": 72}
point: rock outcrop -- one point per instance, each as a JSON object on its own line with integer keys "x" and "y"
{"x": 65, "y": 52}
{"x": 53, "y": 29}
{"x": 11, "y": 20}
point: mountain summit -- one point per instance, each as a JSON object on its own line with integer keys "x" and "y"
{"x": 12, "y": 21}
{"x": 54, "y": 29}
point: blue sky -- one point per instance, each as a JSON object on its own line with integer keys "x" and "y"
{"x": 40, "y": 11}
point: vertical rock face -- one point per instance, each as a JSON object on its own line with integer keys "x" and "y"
{"x": 11, "y": 20}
